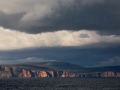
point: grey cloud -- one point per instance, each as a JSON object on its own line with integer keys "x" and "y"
{"x": 110, "y": 61}
{"x": 19, "y": 60}
{"x": 10, "y": 21}
{"x": 84, "y": 35}
{"x": 102, "y": 45}
{"x": 76, "y": 55}
{"x": 100, "y": 15}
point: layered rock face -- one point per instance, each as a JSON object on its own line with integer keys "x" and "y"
{"x": 15, "y": 72}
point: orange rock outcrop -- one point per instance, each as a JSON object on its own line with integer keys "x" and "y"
{"x": 14, "y": 72}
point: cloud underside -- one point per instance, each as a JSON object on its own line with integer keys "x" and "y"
{"x": 110, "y": 61}
{"x": 11, "y": 39}
{"x": 25, "y": 60}
{"x": 36, "y": 16}
{"x": 75, "y": 55}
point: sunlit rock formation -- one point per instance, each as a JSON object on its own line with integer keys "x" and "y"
{"x": 10, "y": 71}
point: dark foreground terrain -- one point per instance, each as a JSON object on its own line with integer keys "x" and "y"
{"x": 60, "y": 84}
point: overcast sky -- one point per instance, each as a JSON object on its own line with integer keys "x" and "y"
{"x": 83, "y": 32}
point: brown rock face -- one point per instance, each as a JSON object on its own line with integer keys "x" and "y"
{"x": 24, "y": 72}
{"x": 7, "y": 69}
{"x": 14, "y": 72}
{"x": 67, "y": 74}
{"x": 42, "y": 74}
{"x": 118, "y": 74}
{"x": 27, "y": 73}
{"x": 6, "y": 72}
{"x": 110, "y": 74}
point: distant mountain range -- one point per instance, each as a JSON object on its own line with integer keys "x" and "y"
{"x": 57, "y": 69}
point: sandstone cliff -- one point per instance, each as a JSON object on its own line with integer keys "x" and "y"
{"x": 6, "y": 71}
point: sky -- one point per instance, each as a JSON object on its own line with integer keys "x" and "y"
{"x": 82, "y": 32}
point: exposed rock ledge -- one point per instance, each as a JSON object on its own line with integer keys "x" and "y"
{"x": 13, "y": 72}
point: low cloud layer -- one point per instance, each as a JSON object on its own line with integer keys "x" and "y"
{"x": 26, "y": 60}
{"x": 36, "y": 16}
{"x": 110, "y": 61}
{"x": 11, "y": 39}
{"x": 75, "y": 55}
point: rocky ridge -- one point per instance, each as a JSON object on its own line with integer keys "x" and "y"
{"x": 8, "y": 71}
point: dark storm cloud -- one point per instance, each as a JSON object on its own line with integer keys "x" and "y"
{"x": 76, "y": 55}
{"x": 101, "y": 15}
{"x": 10, "y": 21}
